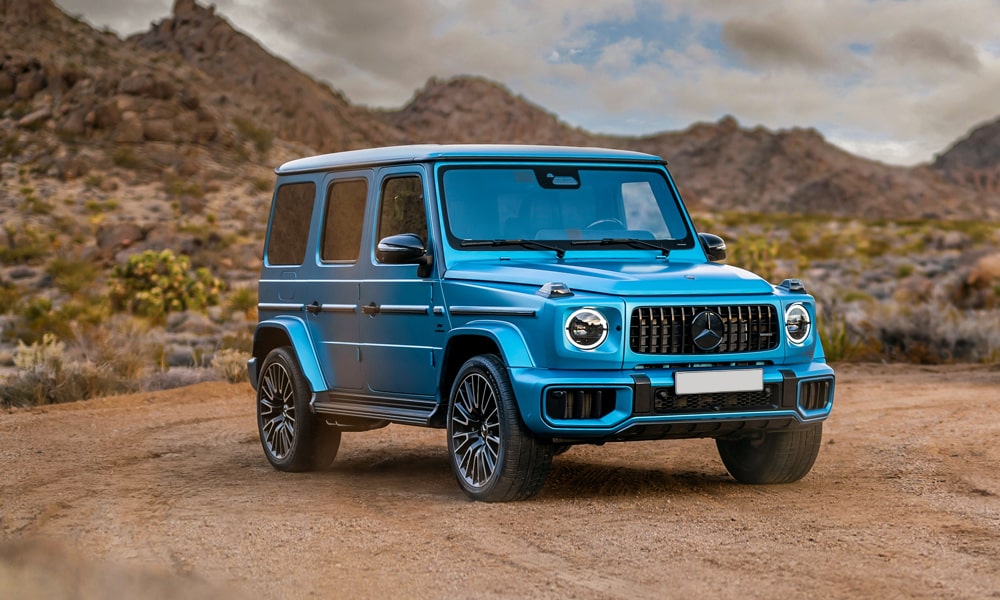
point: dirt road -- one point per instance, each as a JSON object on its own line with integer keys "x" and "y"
{"x": 168, "y": 495}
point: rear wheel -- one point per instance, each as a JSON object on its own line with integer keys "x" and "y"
{"x": 494, "y": 457}
{"x": 773, "y": 457}
{"x": 292, "y": 437}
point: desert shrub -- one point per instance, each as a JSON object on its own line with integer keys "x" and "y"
{"x": 936, "y": 332}
{"x": 756, "y": 253}
{"x": 71, "y": 275}
{"x": 126, "y": 157}
{"x": 243, "y": 299}
{"x": 262, "y": 138}
{"x": 40, "y": 315}
{"x": 45, "y": 376}
{"x": 841, "y": 342}
{"x": 10, "y": 294}
{"x": 153, "y": 284}
{"x": 231, "y": 365}
{"x": 123, "y": 344}
{"x": 25, "y": 245}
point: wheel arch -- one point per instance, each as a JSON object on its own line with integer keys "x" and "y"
{"x": 493, "y": 337}
{"x": 289, "y": 331}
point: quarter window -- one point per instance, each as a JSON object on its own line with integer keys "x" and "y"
{"x": 345, "y": 215}
{"x": 290, "y": 224}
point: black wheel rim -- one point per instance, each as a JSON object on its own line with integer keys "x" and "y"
{"x": 277, "y": 410}
{"x": 475, "y": 430}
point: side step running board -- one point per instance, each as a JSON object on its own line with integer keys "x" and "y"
{"x": 369, "y": 409}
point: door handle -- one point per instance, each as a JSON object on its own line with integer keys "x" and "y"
{"x": 313, "y": 308}
{"x": 370, "y": 309}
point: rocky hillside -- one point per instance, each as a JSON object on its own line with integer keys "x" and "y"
{"x": 193, "y": 96}
{"x": 974, "y": 161}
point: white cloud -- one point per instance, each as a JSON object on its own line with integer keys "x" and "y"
{"x": 897, "y": 81}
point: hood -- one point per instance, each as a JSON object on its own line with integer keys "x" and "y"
{"x": 618, "y": 277}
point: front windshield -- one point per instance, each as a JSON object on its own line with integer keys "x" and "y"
{"x": 560, "y": 204}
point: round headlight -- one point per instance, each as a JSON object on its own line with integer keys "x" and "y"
{"x": 586, "y": 329}
{"x": 797, "y": 323}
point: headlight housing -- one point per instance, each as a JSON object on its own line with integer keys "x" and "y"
{"x": 586, "y": 328}
{"x": 797, "y": 324}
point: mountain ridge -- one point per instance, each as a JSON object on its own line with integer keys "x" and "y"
{"x": 193, "y": 94}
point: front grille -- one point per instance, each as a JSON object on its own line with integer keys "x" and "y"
{"x": 813, "y": 395}
{"x": 665, "y": 401}
{"x": 667, "y": 329}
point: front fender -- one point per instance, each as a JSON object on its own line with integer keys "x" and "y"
{"x": 513, "y": 348}
{"x": 294, "y": 332}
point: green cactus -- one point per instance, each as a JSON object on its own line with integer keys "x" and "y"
{"x": 153, "y": 284}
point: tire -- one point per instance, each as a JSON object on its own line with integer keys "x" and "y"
{"x": 494, "y": 457}
{"x": 292, "y": 437}
{"x": 775, "y": 457}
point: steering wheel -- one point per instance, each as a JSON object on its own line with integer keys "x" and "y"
{"x": 607, "y": 224}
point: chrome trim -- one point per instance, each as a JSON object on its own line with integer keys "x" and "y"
{"x": 481, "y": 311}
{"x": 279, "y": 306}
{"x": 341, "y": 308}
{"x": 402, "y": 309}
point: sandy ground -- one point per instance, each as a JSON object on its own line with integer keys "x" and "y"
{"x": 168, "y": 494}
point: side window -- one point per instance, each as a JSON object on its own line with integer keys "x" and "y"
{"x": 402, "y": 208}
{"x": 290, "y": 223}
{"x": 344, "y": 220}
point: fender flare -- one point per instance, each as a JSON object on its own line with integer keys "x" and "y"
{"x": 301, "y": 342}
{"x": 513, "y": 348}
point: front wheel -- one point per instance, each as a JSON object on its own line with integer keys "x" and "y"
{"x": 772, "y": 457}
{"x": 292, "y": 437}
{"x": 494, "y": 457}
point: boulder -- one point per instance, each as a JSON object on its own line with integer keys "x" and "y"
{"x": 129, "y": 130}
{"x": 158, "y": 130}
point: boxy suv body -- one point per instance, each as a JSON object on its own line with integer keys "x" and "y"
{"x": 526, "y": 299}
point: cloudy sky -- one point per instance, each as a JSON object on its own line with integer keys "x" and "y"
{"x": 894, "y": 80}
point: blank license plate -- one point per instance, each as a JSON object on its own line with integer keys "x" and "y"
{"x": 715, "y": 382}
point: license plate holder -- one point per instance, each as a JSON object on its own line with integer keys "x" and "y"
{"x": 718, "y": 382}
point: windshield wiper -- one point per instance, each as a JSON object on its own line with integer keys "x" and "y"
{"x": 634, "y": 242}
{"x": 524, "y": 243}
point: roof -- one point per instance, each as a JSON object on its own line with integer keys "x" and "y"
{"x": 430, "y": 152}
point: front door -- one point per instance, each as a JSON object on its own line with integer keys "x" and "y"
{"x": 401, "y": 335}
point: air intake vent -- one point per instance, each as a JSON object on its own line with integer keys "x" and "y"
{"x": 668, "y": 329}
{"x": 814, "y": 395}
{"x": 584, "y": 403}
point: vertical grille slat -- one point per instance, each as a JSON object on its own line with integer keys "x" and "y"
{"x": 667, "y": 329}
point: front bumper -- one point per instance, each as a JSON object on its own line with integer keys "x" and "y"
{"x": 594, "y": 406}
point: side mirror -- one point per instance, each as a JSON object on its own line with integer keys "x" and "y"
{"x": 400, "y": 249}
{"x": 715, "y": 247}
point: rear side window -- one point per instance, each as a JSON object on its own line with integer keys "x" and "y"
{"x": 344, "y": 220}
{"x": 290, "y": 223}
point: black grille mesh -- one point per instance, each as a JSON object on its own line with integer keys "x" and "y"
{"x": 667, "y": 329}
{"x": 665, "y": 401}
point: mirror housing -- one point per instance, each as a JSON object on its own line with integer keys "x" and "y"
{"x": 714, "y": 246}
{"x": 400, "y": 249}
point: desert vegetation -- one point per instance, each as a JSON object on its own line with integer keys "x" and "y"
{"x": 135, "y": 176}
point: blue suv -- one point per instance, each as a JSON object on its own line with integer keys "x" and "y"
{"x": 525, "y": 299}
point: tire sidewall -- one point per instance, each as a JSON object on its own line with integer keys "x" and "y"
{"x": 299, "y": 454}
{"x": 487, "y": 366}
